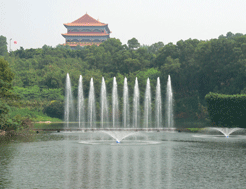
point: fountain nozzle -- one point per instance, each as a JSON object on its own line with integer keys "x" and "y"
{"x": 117, "y": 141}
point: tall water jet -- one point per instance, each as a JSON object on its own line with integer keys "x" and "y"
{"x": 169, "y": 104}
{"x": 91, "y": 106}
{"x": 147, "y": 105}
{"x": 115, "y": 104}
{"x": 158, "y": 105}
{"x": 126, "y": 115}
{"x": 69, "y": 108}
{"x": 81, "y": 106}
{"x": 136, "y": 108}
{"x": 104, "y": 105}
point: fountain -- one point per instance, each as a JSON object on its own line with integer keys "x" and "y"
{"x": 120, "y": 135}
{"x": 69, "y": 108}
{"x": 158, "y": 105}
{"x": 130, "y": 124}
{"x": 91, "y": 106}
{"x": 81, "y": 113}
{"x": 147, "y": 105}
{"x": 115, "y": 104}
{"x": 126, "y": 114}
{"x": 104, "y": 105}
{"x": 136, "y": 106}
{"x": 169, "y": 104}
{"x": 225, "y": 131}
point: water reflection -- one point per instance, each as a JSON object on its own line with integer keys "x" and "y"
{"x": 178, "y": 161}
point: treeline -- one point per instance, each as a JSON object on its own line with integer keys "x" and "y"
{"x": 196, "y": 67}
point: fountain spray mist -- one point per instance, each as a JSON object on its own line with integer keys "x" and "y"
{"x": 158, "y": 105}
{"x": 115, "y": 104}
{"x": 91, "y": 106}
{"x": 104, "y": 105}
{"x": 169, "y": 104}
{"x": 126, "y": 115}
{"x": 81, "y": 106}
{"x": 136, "y": 108}
{"x": 147, "y": 105}
{"x": 69, "y": 107}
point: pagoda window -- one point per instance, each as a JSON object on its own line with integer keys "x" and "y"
{"x": 86, "y": 40}
{"x": 96, "y": 30}
{"x": 75, "y": 30}
{"x": 75, "y": 40}
{"x": 86, "y": 30}
{"x": 96, "y": 40}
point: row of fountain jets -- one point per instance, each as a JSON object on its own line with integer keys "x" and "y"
{"x": 127, "y": 120}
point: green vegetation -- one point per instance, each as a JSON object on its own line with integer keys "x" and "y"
{"x": 227, "y": 110}
{"x": 196, "y": 67}
{"x": 195, "y": 129}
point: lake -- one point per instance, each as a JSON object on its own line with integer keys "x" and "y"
{"x": 148, "y": 160}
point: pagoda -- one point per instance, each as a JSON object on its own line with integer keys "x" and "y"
{"x": 86, "y": 31}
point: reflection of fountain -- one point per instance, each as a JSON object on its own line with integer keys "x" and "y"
{"x": 225, "y": 131}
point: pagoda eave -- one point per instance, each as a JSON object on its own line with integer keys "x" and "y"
{"x": 74, "y": 44}
{"x": 84, "y": 24}
{"x": 74, "y": 35}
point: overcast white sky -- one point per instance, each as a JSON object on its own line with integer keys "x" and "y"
{"x": 33, "y": 23}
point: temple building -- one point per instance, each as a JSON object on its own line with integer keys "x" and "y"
{"x": 86, "y": 31}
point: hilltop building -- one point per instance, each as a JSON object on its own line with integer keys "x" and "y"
{"x": 86, "y": 31}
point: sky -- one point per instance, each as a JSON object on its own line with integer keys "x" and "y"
{"x": 34, "y": 23}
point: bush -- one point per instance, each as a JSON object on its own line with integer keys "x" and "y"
{"x": 227, "y": 110}
{"x": 55, "y": 109}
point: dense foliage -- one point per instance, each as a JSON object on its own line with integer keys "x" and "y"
{"x": 227, "y": 110}
{"x": 196, "y": 68}
{"x": 6, "y": 96}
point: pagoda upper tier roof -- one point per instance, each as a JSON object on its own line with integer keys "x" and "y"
{"x": 85, "y": 34}
{"x": 86, "y": 20}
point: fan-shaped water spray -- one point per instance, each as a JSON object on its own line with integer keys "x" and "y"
{"x": 225, "y": 131}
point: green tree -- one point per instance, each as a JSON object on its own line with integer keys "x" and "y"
{"x": 133, "y": 43}
{"x": 6, "y": 77}
{"x": 3, "y": 46}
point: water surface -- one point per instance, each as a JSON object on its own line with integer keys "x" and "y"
{"x": 178, "y": 160}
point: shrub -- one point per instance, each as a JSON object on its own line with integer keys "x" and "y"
{"x": 55, "y": 109}
{"x": 227, "y": 110}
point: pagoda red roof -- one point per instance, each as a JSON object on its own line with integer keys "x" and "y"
{"x": 85, "y": 34}
{"x": 86, "y": 20}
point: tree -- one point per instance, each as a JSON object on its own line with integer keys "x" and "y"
{"x": 3, "y": 46}
{"x": 133, "y": 43}
{"x": 6, "y": 77}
